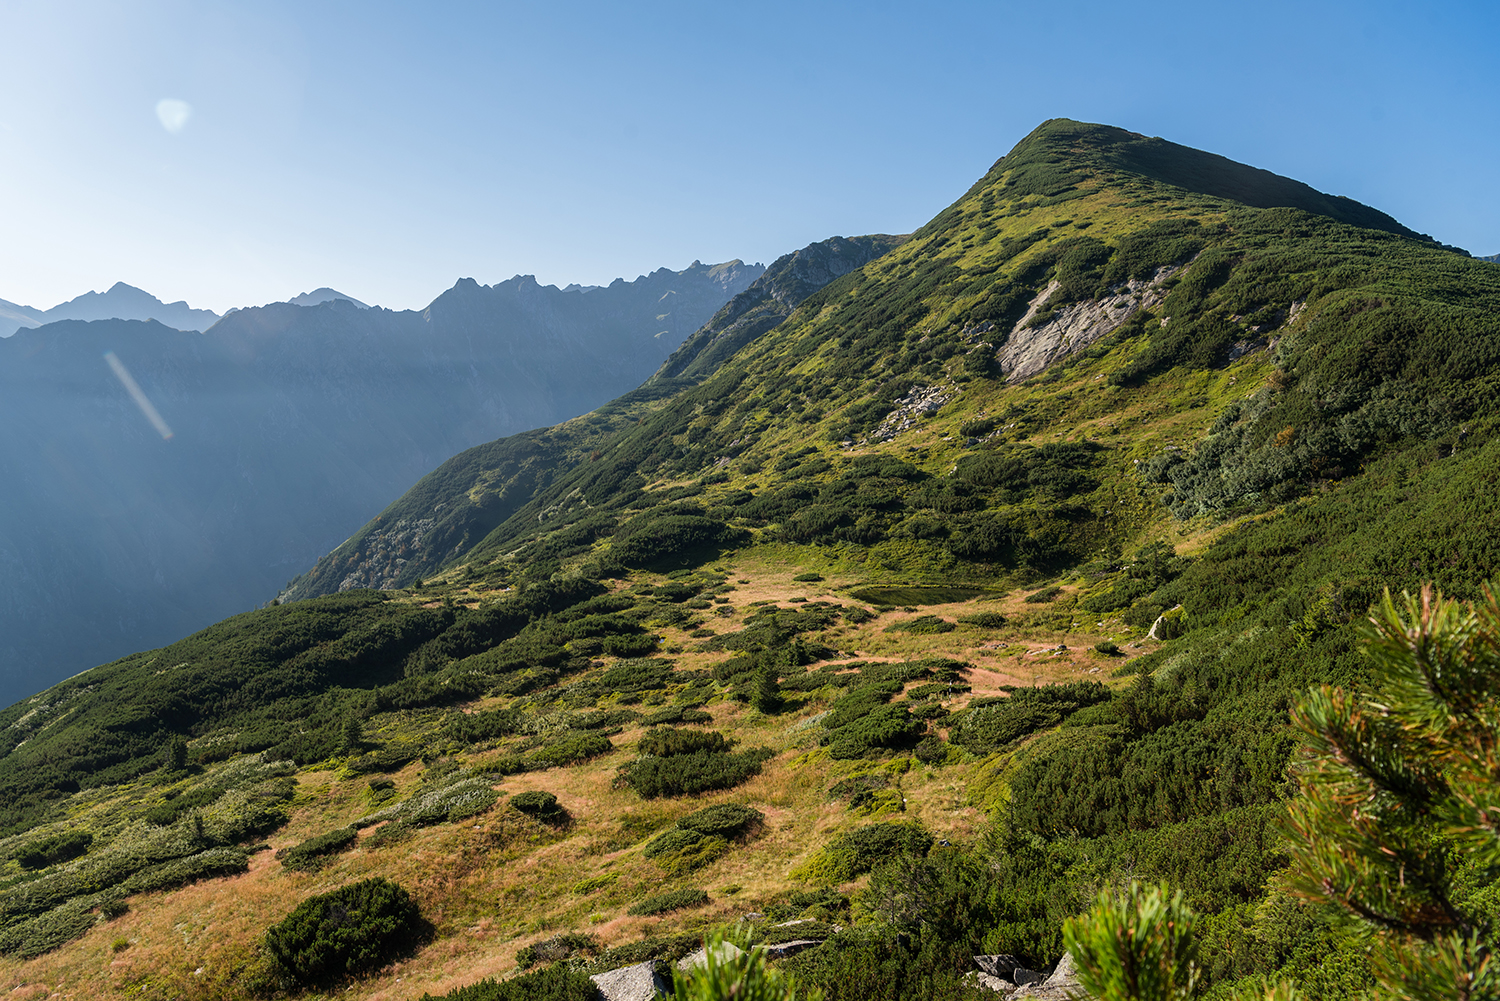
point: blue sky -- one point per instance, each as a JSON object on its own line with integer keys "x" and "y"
{"x": 387, "y": 149}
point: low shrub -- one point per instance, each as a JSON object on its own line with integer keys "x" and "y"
{"x": 931, "y": 750}
{"x": 685, "y": 774}
{"x": 353, "y": 929}
{"x": 556, "y": 949}
{"x": 923, "y": 625}
{"x": 857, "y": 851}
{"x": 179, "y": 872}
{"x": 45, "y": 932}
{"x": 724, "y": 819}
{"x": 312, "y": 854}
{"x": 808, "y": 577}
{"x": 666, "y": 742}
{"x": 1044, "y": 595}
{"x": 555, "y": 983}
{"x": 391, "y": 833}
{"x": 673, "y": 840}
{"x": 541, "y": 805}
{"x": 677, "y": 714}
{"x": 992, "y": 726}
{"x": 985, "y": 620}
{"x": 456, "y": 796}
{"x": 673, "y": 900}
{"x": 857, "y": 615}
{"x": 630, "y": 645}
{"x": 587, "y": 886}
{"x": 62, "y": 847}
{"x": 570, "y": 751}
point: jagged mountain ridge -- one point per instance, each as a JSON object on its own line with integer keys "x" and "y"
{"x": 292, "y": 426}
{"x": 119, "y": 302}
{"x": 462, "y": 501}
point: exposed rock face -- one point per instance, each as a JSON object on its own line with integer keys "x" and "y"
{"x": 770, "y": 299}
{"x": 1073, "y": 328}
{"x": 641, "y": 982}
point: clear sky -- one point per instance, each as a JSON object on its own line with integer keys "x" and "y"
{"x": 235, "y": 153}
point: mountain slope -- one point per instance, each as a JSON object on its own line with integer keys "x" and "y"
{"x": 1052, "y": 619}
{"x": 291, "y": 427}
{"x": 463, "y": 500}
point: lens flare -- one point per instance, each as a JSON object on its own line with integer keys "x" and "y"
{"x": 173, "y": 114}
{"x": 136, "y": 394}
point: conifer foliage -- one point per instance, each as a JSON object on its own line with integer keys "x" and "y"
{"x": 1398, "y": 821}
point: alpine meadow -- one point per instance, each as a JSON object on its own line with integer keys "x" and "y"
{"x": 1093, "y": 581}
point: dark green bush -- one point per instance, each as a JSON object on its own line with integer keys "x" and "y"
{"x": 700, "y": 771}
{"x": 808, "y": 577}
{"x": 677, "y": 714}
{"x": 349, "y": 931}
{"x": 570, "y": 751}
{"x": 555, "y": 983}
{"x": 1044, "y": 595}
{"x": 986, "y": 620}
{"x": 312, "y": 854}
{"x": 989, "y": 727}
{"x": 859, "y": 850}
{"x": 668, "y": 742}
{"x": 62, "y": 847}
{"x": 627, "y": 645}
{"x": 923, "y": 625}
{"x": 536, "y": 803}
{"x": 724, "y": 819}
{"x": 673, "y": 900}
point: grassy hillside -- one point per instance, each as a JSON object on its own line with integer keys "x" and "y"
{"x": 902, "y": 552}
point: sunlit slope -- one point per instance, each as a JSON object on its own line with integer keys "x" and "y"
{"x": 1147, "y": 315}
{"x": 1083, "y": 402}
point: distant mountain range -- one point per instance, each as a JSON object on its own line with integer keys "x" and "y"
{"x": 1492, "y": 257}
{"x": 121, "y": 302}
{"x": 290, "y": 427}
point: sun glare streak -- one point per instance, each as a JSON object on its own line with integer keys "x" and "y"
{"x": 173, "y": 114}
{"x": 136, "y": 394}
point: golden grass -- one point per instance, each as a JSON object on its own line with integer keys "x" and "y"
{"x": 501, "y": 881}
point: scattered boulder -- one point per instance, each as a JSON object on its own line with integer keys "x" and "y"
{"x": 699, "y": 959}
{"x": 997, "y": 966}
{"x": 641, "y": 982}
{"x": 1022, "y": 977}
{"x": 1062, "y": 985}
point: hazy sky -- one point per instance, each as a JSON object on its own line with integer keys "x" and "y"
{"x": 239, "y": 153}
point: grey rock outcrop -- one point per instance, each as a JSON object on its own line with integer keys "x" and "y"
{"x": 698, "y": 960}
{"x": 641, "y": 982}
{"x": 1018, "y": 982}
{"x": 997, "y": 966}
{"x": 1031, "y": 348}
